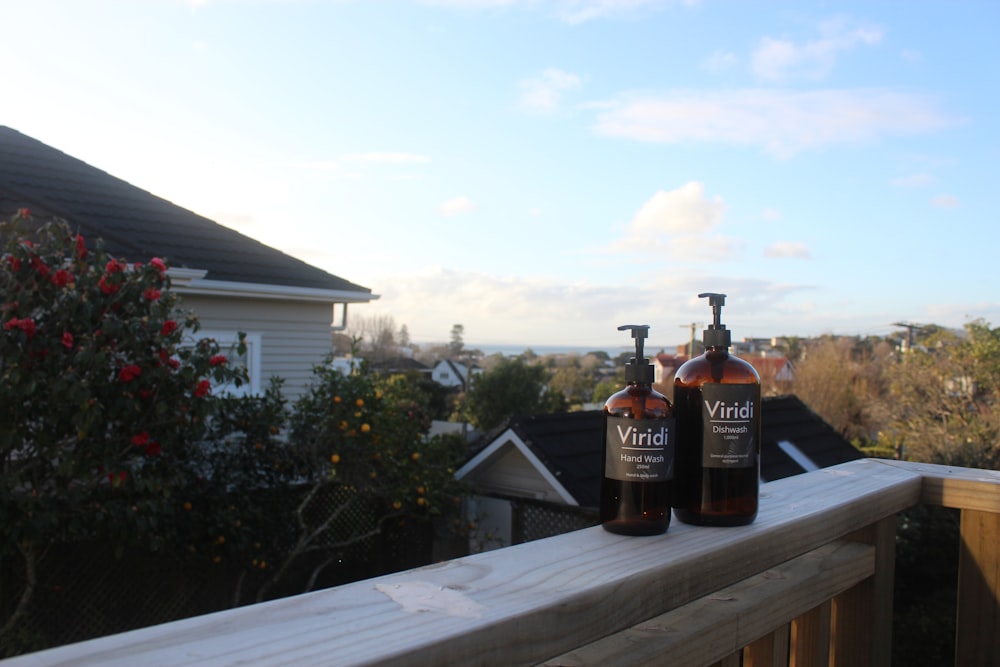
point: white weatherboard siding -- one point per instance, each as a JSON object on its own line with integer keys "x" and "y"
{"x": 294, "y": 336}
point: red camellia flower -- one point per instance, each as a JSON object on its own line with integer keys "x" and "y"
{"x": 24, "y": 212}
{"x": 168, "y": 328}
{"x": 67, "y": 340}
{"x": 153, "y": 449}
{"x": 158, "y": 264}
{"x": 140, "y": 439}
{"x": 81, "y": 248}
{"x": 106, "y": 286}
{"x": 15, "y": 263}
{"x": 27, "y": 325}
{"x": 203, "y": 388}
{"x": 40, "y": 266}
{"x": 61, "y": 278}
{"x": 151, "y": 294}
{"x": 129, "y": 373}
{"x": 114, "y": 266}
{"x": 217, "y": 360}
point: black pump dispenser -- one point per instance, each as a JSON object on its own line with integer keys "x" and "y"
{"x": 716, "y": 335}
{"x": 637, "y": 370}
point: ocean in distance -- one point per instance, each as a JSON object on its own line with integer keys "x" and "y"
{"x": 542, "y": 350}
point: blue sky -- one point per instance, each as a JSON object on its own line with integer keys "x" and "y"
{"x": 542, "y": 171}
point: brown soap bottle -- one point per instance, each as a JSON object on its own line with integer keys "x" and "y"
{"x": 637, "y": 470}
{"x": 717, "y": 405}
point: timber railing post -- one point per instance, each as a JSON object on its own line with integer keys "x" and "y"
{"x": 861, "y": 618}
{"x": 977, "y": 618}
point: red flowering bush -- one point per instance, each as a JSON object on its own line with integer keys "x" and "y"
{"x": 104, "y": 392}
{"x": 110, "y": 431}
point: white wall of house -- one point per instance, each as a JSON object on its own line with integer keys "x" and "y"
{"x": 449, "y": 373}
{"x": 294, "y": 336}
{"x": 490, "y": 519}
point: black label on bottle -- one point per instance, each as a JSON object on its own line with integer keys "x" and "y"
{"x": 730, "y": 418}
{"x": 639, "y": 450}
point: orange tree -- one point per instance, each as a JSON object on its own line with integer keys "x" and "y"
{"x": 104, "y": 395}
{"x": 362, "y": 442}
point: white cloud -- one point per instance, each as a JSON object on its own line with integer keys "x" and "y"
{"x": 782, "y": 122}
{"x": 570, "y": 11}
{"x": 788, "y": 249}
{"x": 718, "y": 62}
{"x": 387, "y": 158}
{"x": 778, "y": 59}
{"x": 578, "y": 11}
{"x": 945, "y": 201}
{"x": 544, "y": 92}
{"x": 681, "y": 211}
{"x": 920, "y": 180}
{"x": 530, "y": 310}
{"x": 770, "y": 215}
{"x": 456, "y": 206}
{"x": 679, "y": 222}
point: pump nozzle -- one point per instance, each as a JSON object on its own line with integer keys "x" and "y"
{"x": 716, "y": 335}
{"x": 638, "y": 370}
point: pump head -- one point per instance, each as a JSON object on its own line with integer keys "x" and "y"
{"x": 716, "y": 335}
{"x": 637, "y": 370}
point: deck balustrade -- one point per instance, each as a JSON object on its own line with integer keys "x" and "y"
{"x": 809, "y": 583}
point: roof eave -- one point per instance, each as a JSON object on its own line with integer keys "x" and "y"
{"x": 203, "y": 287}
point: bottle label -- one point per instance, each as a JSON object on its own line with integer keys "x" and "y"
{"x": 731, "y": 425}
{"x": 639, "y": 450}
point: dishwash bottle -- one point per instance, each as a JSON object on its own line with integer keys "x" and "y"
{"x": 717, "y": 406}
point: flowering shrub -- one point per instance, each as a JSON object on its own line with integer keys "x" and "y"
{"x": 110, "y": 430}
{"x": 103, "y": 391}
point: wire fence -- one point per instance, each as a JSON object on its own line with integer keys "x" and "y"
{"x": 84, "y": 591}
{"x": 534, "y": 519}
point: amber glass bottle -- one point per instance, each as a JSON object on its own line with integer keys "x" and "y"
{"x": 717, "y": 405}
{"x": 637, "y": 470}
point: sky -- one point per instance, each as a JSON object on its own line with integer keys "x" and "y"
{"x": 543, "y": 171}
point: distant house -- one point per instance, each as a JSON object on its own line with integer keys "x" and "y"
{"x": 776, "y": 373}
{"x": 452, "y": 374}
{"x": 665, "y": 366}
{"x": 287, "y": 308}
{"x": 547, "y": 462}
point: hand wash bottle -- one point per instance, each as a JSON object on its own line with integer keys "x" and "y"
{"x": 638, "y": 451}
{"x": 717, "y": 404}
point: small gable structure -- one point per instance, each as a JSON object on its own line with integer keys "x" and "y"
{"x": 452, "y": 374}
{"x": 286, "y": 307}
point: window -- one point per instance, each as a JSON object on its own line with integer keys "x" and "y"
{"x": 227, "y": 341}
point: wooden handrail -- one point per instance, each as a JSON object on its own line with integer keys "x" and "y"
{"x": 533, "y": 602}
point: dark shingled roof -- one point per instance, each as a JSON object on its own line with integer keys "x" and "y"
{"x": 137, "y": 225}
{"x": 570, "y": 444}
{"x": 787, "y": 418}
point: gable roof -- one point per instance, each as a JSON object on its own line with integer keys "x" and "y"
{"x": 137, "y": 225}
{"x": 566, "y": 448}
{"x": 775, "y": 368}
{"x": 795, "y": 439}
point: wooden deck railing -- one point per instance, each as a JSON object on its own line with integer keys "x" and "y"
{"x": 809, "y": 583}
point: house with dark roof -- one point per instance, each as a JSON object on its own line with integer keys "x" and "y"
{"x": 452, "y": 374}
{"x": 555, "y": 459}
{"x": 287, "y": 308}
